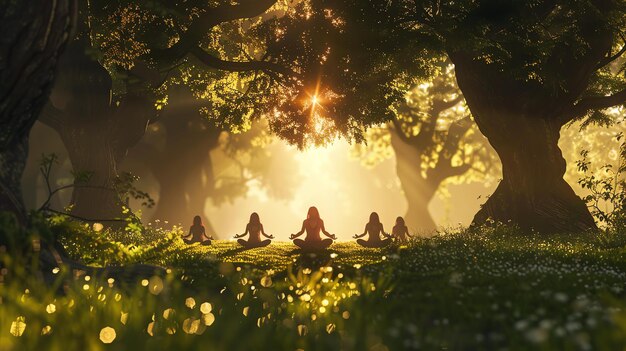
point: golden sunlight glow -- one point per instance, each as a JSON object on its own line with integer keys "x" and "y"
{"x": 319, "y": 124}
{"x": 314, "y": 100}
{"x": 344, "y": 191}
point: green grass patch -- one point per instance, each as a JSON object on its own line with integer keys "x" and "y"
{"x": 488, "y": 290}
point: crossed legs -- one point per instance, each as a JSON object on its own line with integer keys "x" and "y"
{"x": 313, "y": 245}
{"x": 252, "y": 244}
{"x": 373, "y": 244}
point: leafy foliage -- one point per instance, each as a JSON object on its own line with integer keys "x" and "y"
{"x": 96, "y": 245}
{"x": 124, "y": 186}
{"x": 350, "y": 70}
{"x": 434, "y": 122}
{"x": 607, "y": 198}
{"x": 204, "y": 46}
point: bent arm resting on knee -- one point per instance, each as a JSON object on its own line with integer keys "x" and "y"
{"x": 332, "y": 236}
{"x": 356, "y": 236}
{"x": 205, "y": 236}
{"x": 266, "y": 235}
{"x": 385, "y": 234}
{"x": 189, "y": 236}
{"x": 293, "y": 236}
{"x": 237, "y": 236}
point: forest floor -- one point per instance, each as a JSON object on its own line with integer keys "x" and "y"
{"x": 493, "y": 290}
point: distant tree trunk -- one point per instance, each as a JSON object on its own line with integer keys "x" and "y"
{"x": 418, "y": 217}
{"x": 177, "y": 203}
{"x": 183, "y": 167}
{"x": 33, "y": 36}
{"x": 172, "y": 202}
{"x": 179, "y": 170}
{"x": 522, "y": 125}
{"x": 418, "y": 191}
{"x": 203, "y": 179}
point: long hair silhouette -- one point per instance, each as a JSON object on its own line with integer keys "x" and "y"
{"x": 374, "y": 218}
{"x": 313, "y": 213}
{"x": 197, "y": 221}
{"x": 400, "y": 221}
{"x": 254, "y": 218}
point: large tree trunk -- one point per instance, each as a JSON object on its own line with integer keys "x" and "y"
{"x": 418, "y": 190}
{"x": 533, "y": 193}
{"x": 522, "y": 124}
{"x": 96, "y": 133}
{"x": 91, "y": 153}
{"x": 12, "y": 162}
{"x": 33, "y": 36}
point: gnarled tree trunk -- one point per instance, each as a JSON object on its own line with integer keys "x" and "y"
{"x": 533, "y": 193}
{"x": 522, "y": 123}
{"x": 96, "y": 132}
{"x": 33, "y": 36}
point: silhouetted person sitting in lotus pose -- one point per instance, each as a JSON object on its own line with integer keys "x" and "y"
{"x": 255, "y": 229}
{"x": 374, "y": 228}
{"x": 401, "y": 231}
{"x": 313, "y": 225}
{"x": 197, "y": 234}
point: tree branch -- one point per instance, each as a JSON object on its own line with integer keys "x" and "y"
{"x": 209, "y": 19}
{"x": 444, "y": 168}
{"x": 598, "y": 103}
{"x": 610, "y": 58}
{"x": 235, "y": 66}
{"x": 427, "y": 130}
{"x": 397, "y": 129}
{"x": 444, "y": 105}
{"x": 84, "y": 218}
{"x": 456, "y": 131}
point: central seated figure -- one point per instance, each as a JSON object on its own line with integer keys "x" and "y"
{"x": 313, "y": 225}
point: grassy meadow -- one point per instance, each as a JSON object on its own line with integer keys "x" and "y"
{"x": 488, "y": 289}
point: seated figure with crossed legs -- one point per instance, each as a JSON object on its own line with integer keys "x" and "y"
{"x": 400, "y": 231}
{"x": 313, "y": 225}
{"x": 374, "y": 228}
{"x": 255, "y": 229}
{"x": 197, "y": 233}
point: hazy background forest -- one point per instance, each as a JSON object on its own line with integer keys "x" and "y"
{"x": 345, "y": 181}
{"x": 214, "y": 122}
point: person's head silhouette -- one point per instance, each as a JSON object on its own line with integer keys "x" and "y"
{"x": 254, "y": 218}
{"x": 313, "y": 213}
{"x": 374, "y": 218}
{"x": 197, "y": 221}
{"x": 400, "y": 221}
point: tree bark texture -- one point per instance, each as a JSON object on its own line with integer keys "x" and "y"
{"x": 34, "y": 34}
